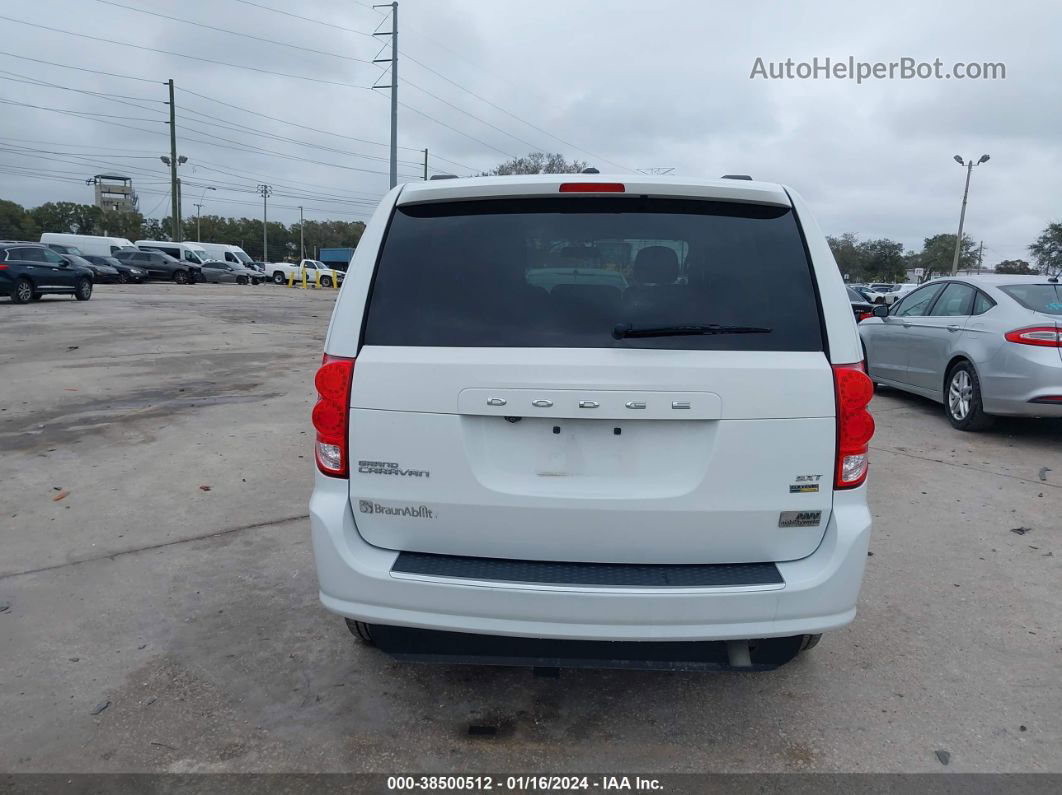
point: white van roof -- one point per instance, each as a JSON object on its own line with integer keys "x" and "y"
{"x": 739, "y": 190}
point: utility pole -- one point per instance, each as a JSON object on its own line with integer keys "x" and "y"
{"x": 394, "y": 84}
{"x": 174, "y": 210}
{"x": 302, "y": 237}
{"x": 981, "y": 256}
{"x": 198, "y": 207}
{"x": 962, "y": 215}
{"x": 425, "y": 165}
{"x": 265, "y": 191}
{"x": 180, "y": 213}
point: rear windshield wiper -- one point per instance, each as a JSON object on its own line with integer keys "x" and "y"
{"x": 627, "y": 330}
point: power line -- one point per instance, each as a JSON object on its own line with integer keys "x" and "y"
{"x": 453, "y": 83}
{"x": 80, "y": 68}
{"x": 111, "y": 41}
{"x": 308, "y": 19}
{"x": 234, "y": 32}
{"x": 77, "y": 112}
{"x": 20, "y": 78}
{"x": 313, "y": 129}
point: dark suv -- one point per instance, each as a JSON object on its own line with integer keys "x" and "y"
{"x": 161, "y": 266}
{"x": 29, "y": 271}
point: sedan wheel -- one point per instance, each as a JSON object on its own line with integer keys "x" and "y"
{"x": 241, "y": 280}
{"x": 962, "y": 399}
{"x": 83, "y": 290}
{"x": 123, "y": 277}
{"x": 181, "y": 277}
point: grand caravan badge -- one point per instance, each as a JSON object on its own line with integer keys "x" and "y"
{"x": 390, "y": 468}
{"x": 413, "y": 512}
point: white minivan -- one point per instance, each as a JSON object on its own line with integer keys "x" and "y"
{"x": 92, "y": 245}
{"x": 222, "y": 252}
{"x": 185, "y": 252}
{"x": 662, "y": 469}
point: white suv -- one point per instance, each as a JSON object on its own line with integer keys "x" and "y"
{"x": 514, "y": 467}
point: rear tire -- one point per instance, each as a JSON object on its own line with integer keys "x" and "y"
{"x": 83, "y": 290}
{"x": 278, "y": 277}
{"x": 962, "y": 399}
{"x": 180, "y": 277}
{"x": 361, "y": 631}
{"x": 23, "y": 291}
{"x": 810, "y": 642}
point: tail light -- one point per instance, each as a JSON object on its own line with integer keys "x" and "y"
{"x": 592, "y": 187}
{"x": 855, "y": 426}
{"x": 1044, "y": 336}
{"x": 863, "y": 316}
{"x": 331, "y": 415}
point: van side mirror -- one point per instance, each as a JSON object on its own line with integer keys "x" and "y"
{"x": 880, "y": 310}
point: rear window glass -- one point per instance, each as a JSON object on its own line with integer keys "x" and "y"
{"x": 565, "y": 272}
{"x": 1046, "y": 298}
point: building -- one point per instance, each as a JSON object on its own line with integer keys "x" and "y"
{"x": 115, "y": 192}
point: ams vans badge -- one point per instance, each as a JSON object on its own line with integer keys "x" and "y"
{"x": 799, "y": 518}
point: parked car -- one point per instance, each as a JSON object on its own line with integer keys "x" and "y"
{"x": 101, "y": 274}
{"x": 316, "y": 272}
{"x": 126, "y": 272}
{"x": 675, "y": 460}
{"x": 980, "y": 345}
{"x": 218, "y": 272}
{"x": 868, "y": 295}
{"x": 29, "y": 271}
{"x": 861, "y": 308}
{"x": 162, "y": 266}
{"x": 84, "y": 245}
{"x": 901, "y": 290}
{"x": 882, "y": 287}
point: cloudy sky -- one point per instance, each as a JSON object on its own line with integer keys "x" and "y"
{"x": 623, "y": 85}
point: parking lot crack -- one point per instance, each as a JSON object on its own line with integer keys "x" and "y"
{"x": 964, "y": 466}
{"x": 175, "y": 542}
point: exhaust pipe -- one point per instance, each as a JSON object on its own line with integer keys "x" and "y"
{"x": 737, "y": 652}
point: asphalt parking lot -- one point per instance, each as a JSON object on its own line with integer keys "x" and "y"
{"x": 172, "y": 590}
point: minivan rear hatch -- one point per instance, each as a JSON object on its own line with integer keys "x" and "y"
{"x": 623, "y": 379}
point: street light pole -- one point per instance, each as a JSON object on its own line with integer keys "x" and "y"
{"x": 198, "y": 207}
{"x": 302, "y": 237}
{"x": 962, "y": 214}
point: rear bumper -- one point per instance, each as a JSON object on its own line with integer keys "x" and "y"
{"x": 819, "y": 593}
{"x": 1019, "y": 375}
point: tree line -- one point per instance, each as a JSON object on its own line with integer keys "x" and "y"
{"x": 21, "y": 223}
{"x": 859, "y": 260}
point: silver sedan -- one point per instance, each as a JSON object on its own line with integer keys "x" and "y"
{"x": 980, "y": 345}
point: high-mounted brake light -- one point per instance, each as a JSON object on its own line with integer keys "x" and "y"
{"x": 592, "y": 187}
{"x": 331, "y": 415}
{"x": 1044, "y": 336}
{"x": 855, "y": 426}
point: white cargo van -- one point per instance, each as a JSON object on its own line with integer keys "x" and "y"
{"x": 226, "y": 253}
{"x": 93, "y": 245}
{"x": 665, "y": 469}
{"x": 186, "y": 252}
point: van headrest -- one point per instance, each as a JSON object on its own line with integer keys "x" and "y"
{"x": 656, "y": 265}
